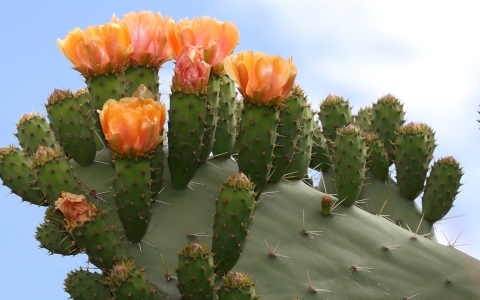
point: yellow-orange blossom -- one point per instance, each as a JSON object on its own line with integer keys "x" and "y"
{"x": 261, "y": 79}
{"x": 132, "y": 126}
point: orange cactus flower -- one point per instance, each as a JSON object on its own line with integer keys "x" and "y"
{"x": 98, "y": 50}
{"x": 148, "y": 38}
{"x": 216, "y": 39}
{"x": 261, "y": 78}
{"x": 191, "y": 72}
{"x": 132, "y": 126}
{"x": 76, "y": 209}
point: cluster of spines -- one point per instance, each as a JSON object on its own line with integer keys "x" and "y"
{"x": 349, "y": 161}
{"x": 441, "y": 188}
{"x": 71, "y": 127}
{"x": 414, "y": 145}
{"x": 234, "y": 214}
{"x": 196, "y": 278}
{"x": 290, "y": 130}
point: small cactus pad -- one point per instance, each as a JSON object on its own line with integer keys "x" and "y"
{"x": 133, "y": 195}
{"x": 414, "y": 145}
{"x": 256, "y": 140}
{"x": 195, "y": 272}
{"x": 105, "y": 87}
{"x": 186, "y": 126}
{"x": 377, "y": 161}
{"x": 86, "y": 285}
{"x": 349, "y": 160}
{"x": 226, "y": 133}
{"x": 335, "y": 112}
{"x": 387, "y": 117}
{"x": 321, "y": 159}
{"x": 288, "y": 133}
{"x": 234, "y": 213}
{"x": 237, "y": 285}
{"x": 441, "y": 188}
{"x": 33, "y": 131}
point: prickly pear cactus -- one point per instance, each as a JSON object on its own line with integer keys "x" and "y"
{"x": 217, "y": 232}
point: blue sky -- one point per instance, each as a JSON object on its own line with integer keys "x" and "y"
{"x": 426, "y": 54}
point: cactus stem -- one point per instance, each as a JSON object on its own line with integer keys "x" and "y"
{"x": 311, "y": 289}
{"x": 390, "y": 247}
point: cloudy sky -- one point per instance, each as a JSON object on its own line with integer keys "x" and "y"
{"x": 426, "y": 54}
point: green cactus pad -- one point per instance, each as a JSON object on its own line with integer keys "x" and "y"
{"x": 186, "y": 125}
{"x": 92, "y": 118}
{"x": 138, "y": 75}
{"x": 54, "y": 174}
{"x": 414, "y": 145}
{"x": 349, "y": 160}
{"x": 86, "y": 285}
{"x": 237, "y": 285}
{"x": 101, "y": 243}
{"x": 292, "y": 118}
{"x": 133, "y": 195}
{"x": 335, "y": 112}
{"x": 378, "y": 161}
{"x": 71, "y": 127}
{"x": 256, "y": 140}
{"x": 303, "y": 148}
{"x": 33, "y": 131}
{"x": 127, "y": 281}
{"x": 363, "y": 118}
{"x": 441, "y": 188}
{"x": 387, "y": 117}
{"x": 156, "y": 170}
{"x": 234, "y": 213}
{"x": 16, "y": 173}
{"x": 105, "y": 87}
{"x": 226, "y": 133}
{"x": 53, "y": 236}
{"x": 211, "y": 118}
{"x": 321, "y": 159}
{"x": 195, "y": 272}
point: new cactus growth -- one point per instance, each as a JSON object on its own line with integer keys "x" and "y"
{"x": 106, "y": 208}
{"x": 349, "y": 163}
{"x": 237, "y": 285}
{"x": 335, "y": 112}
{"x": 195, "y": 272}
{"x": 414, "y": 145}
{"x": 441, "y": 188}
{"x": 234, "y": 213}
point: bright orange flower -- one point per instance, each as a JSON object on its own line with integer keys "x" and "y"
{"x": 132, "y": 126}
{"x": 76, "y": 209}
{"x": 190, "y": 72}
{"x": 216, "y": 39}
{"x": 148, "y": 37}
{"x": 260, "y": 78}
{"x": 101, "y": 49}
